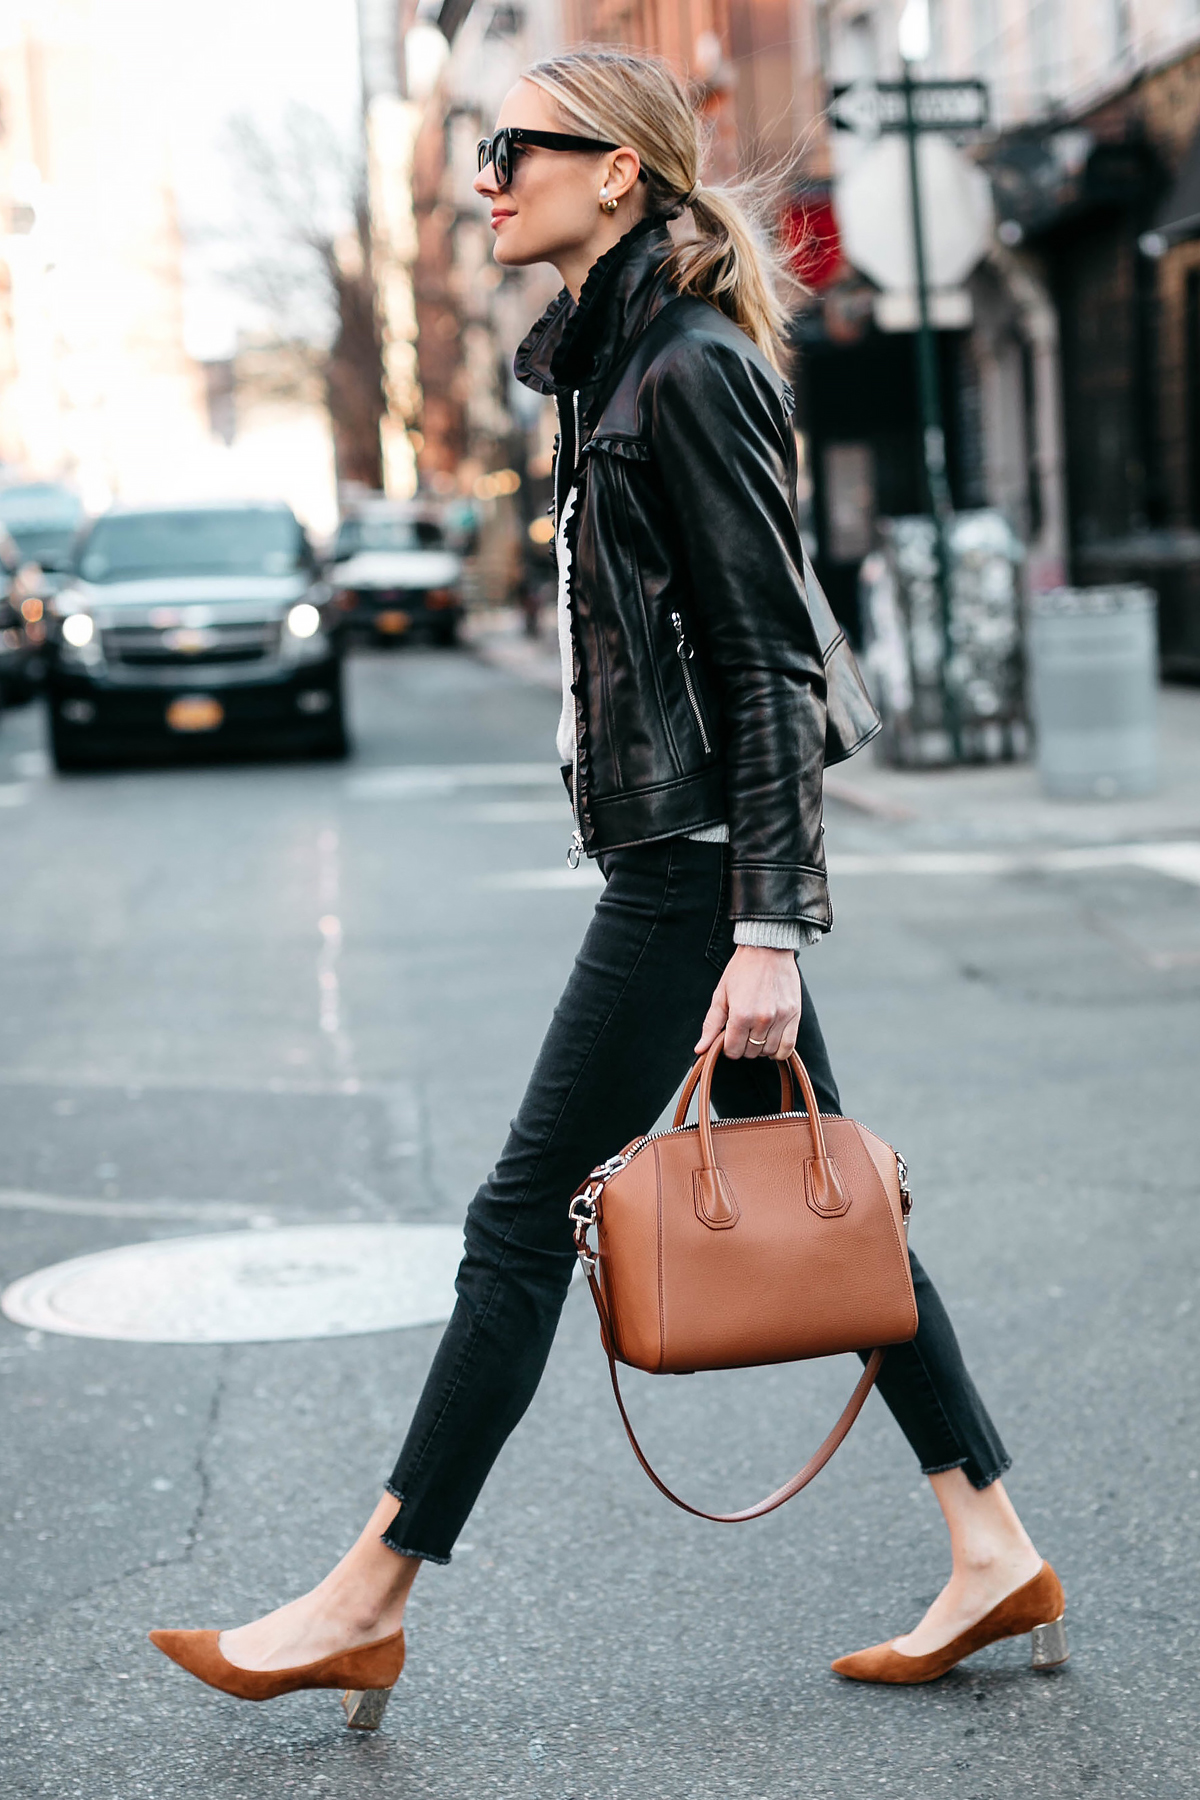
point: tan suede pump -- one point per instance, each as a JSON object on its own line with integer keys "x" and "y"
{"x": 1037, "y": 1608}
{"x": 366, "y": 1675}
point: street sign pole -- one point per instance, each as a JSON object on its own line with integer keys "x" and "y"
{"x": 933, "y": 436}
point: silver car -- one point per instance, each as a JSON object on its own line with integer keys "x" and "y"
{"x": 395, "y": 574}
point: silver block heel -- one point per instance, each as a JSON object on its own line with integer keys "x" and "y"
{"x": 364, "y": 1707}
{"x": 1048, "y": 1645}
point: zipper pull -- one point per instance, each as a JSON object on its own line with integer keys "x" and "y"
{"x": 575, "y": 850}
{"x": 683, "y": 649}
{"x": 906, "y": 1198}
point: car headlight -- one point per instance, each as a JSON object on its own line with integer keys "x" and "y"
{"x": 304, "y": 621}
{"x": 79, "y": 629}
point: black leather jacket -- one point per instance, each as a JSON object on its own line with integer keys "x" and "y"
{"x": 712, "y": 681}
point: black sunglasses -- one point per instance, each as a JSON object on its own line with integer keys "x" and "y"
{"x": 501, "y": 149}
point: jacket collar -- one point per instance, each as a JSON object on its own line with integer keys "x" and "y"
{"x": 577, "y": 346}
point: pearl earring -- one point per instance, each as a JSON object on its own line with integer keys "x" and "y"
{"x": 607, "y": 205}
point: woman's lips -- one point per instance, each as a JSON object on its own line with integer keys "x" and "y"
{"x": 498, "y": 219}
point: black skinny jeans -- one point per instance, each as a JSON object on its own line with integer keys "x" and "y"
{"x": 619, "y": 1044}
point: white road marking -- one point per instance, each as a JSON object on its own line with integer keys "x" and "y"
{"x": 331, "y": 1010}
{"x": 519, "y": 812}
{"x": 132, "y": 1086}
{"x": 304, "y": 1281}
{"x": 583, "y": 880}
{"x": 213, "y": 1212}
{"x": 1179, "y": 860}
{"x": 414, "y": 780}
{"x": 14, "y": 794}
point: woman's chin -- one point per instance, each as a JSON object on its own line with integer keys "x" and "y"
{"x": 511, "y": 254}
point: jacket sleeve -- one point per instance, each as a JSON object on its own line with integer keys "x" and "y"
{"x": 722, "y": 442}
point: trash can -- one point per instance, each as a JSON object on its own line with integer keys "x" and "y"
{"x": 904, "y": 646}
{"x": 1094, "y": 690}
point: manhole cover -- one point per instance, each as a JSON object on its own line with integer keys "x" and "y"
{"x": 238, "y": 1287}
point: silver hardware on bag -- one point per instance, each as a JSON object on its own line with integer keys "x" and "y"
{"x": 585, "y": 1208}
{"x": 575, "y": 850}
{"x": 599, "y": 1175}
{"x": 583, "y": 1217}
{"x": 906, "y": 1198}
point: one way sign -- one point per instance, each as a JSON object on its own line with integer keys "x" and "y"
{"x": 868, "y": 107}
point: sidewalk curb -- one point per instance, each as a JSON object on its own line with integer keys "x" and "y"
{"x": 498, "y": 638}
{"x": 998, "y": 805}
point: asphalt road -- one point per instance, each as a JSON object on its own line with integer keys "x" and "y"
{"x": 1028, "y": 1037}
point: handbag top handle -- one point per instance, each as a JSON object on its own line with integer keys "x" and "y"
{"x": 827, "y": 1194}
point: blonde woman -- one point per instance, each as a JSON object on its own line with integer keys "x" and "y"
{"x": 704, "y": 687}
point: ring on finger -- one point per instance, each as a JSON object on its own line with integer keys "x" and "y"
{"x": 757, "y": 1042}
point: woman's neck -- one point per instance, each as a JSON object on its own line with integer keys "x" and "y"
{"x": 575, "y": 263}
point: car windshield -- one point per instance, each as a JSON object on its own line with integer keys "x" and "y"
{"x": 387, "y": 534}
{"x": 41, "y": 518}
{"x": 138, "y": 546}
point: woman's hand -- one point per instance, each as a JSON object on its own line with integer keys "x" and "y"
{"x": 756, "y": 1005}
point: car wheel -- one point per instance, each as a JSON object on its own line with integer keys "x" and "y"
{"x": 69, "y": 750}
{"x": 446, "y": 634}
{"x": 334, "y": 747}
{"x": 67, "y": 758}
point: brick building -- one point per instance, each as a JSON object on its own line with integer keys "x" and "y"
{"x": 1072, "y": 380}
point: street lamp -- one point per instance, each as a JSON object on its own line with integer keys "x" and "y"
{"x": 913, "y": 32}
{"x": 913, "y": 39}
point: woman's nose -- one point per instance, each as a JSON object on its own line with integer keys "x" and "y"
{"x": 485, "y": 182}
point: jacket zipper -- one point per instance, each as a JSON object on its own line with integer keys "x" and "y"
{"x": 575, "y": 848}
{"x": 685, "y": 653}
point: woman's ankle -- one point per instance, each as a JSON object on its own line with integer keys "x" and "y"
{"x": 367, "y": 1607}
{"x": 986, "y": 1533}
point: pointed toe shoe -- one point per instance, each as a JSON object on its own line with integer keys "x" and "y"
{"x": 365, "y": 1675}
{"x": 1037, "y": 1608}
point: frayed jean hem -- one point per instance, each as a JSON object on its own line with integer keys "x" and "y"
{"x": 400, "y": 1549}
{"x": 978, "y": 1482}
{"x": 417, "y": 1555}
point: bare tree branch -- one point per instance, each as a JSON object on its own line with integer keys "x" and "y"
{"x": 305, "y": 215}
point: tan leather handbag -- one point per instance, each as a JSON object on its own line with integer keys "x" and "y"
{"x": 744, "y": 1241}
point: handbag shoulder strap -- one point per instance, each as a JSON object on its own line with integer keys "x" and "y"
{"x": 801, "y": 1479}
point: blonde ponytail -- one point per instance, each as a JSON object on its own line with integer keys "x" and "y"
{"x": 630, "y": 98}
{"x": 728, "y": 264}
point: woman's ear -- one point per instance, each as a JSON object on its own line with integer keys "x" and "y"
{"x": 621, "y": 172}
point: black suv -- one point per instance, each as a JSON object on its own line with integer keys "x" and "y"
{"x": 193, "y": 628}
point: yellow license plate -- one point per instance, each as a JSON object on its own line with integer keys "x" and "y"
{"x": 393, "y": 622}
{"x": 195, "y": 712}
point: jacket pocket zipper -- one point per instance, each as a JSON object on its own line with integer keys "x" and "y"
{"x": 685, "y": 653}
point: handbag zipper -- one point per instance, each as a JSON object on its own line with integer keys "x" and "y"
{"x": 600, "y": 1176}
{"x": 685, "y": 653}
